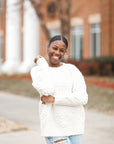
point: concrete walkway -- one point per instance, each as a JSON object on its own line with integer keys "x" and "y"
{"x": 24, "y": 111}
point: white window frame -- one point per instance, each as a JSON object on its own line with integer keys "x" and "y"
{"x": 95, "y": 43}
{"x": 77, "y": 33}
{"x": 54, "y": 27}
{"x": 95, "y": 19}
{"x": 54, "y": 32}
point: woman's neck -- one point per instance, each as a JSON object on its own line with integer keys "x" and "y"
{"x": 54, "y": 65}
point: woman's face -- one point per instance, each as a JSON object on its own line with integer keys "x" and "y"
{"x": 56, "y": 52}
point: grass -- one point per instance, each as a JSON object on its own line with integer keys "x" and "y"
{"x": 21, "y": 87}
{"x": 99, "y": 99}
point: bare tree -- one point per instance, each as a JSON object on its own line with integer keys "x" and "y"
{"x": 64, "y": 16}
{"x": 62, "y": 12}
{"x": 37, "y": 6}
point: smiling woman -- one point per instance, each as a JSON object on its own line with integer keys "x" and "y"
{"x": 63, "y": 93}
{"x": 56, "y": 51}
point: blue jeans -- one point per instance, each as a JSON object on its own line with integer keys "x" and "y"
{"x": 74, "y": 139}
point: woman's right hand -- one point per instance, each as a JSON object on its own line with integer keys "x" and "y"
{"x": 49, "y": 99}
{"x": 36, "y": 58}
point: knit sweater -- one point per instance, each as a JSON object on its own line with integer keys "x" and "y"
{"x": 41, "y": 78}
{"x": 66, "y": 115}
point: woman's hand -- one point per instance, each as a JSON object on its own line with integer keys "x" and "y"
{"x": 36, "y": 58}
{"x": 49, "y": 99}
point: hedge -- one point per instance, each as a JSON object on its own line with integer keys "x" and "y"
{"x": 98, "y": 66}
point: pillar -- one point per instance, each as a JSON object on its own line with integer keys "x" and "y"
{"x": 31, "y": 38}
{"x": 13, "y": 39}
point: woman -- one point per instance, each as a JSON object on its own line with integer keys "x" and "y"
{"x": 62, "y": 114}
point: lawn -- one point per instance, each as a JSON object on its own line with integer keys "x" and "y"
{"x": 100, "y": 99}
{"x": 21, "y": 87}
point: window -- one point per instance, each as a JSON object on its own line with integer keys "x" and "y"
{"x": 54, "y": 32}
{"x": 95, "y": 40}
{"x": 77, "y": 36}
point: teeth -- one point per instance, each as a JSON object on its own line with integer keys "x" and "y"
{"x": 55, "y": 57}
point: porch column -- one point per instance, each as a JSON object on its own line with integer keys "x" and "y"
{"x": 31, "y": 37}
{"x": 13, "y": 36}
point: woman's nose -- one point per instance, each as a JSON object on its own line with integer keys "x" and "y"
{"x": 57, "y": 52}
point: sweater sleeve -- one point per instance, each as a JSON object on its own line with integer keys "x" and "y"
{"x": 41, "y": 78}
{"x": 38, "y": 70}
{"x": 78, "y": 95}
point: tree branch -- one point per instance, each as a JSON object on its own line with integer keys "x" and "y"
{"x": 37, "y": 7}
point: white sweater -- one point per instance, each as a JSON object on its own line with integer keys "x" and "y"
{"x": 41, "y": 78}
{"x": 66, "y": 115}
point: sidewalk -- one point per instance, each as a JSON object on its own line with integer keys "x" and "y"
{"x": 22, "y": 137}
{"x": 24, "y": 111}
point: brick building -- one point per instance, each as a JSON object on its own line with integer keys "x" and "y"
{"x": 21, "y": 37}
{"x": 92, "y": 28}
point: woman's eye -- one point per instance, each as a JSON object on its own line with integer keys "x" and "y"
{"x": 62, "y": 51}
{"x": 54, "y": 48}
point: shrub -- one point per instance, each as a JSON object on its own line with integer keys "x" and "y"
{"x": 97, "y": 66}
{"x": 106, "y": 64}
{"x": 82, "y": 65}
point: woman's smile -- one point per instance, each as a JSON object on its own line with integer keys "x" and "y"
{"x": 56, "y": 52}
{"x": 55, "y": 57}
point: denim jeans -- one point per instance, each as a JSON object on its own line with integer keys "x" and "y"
{"x": 74, "y": 139}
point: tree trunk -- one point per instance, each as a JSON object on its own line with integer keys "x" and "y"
{"x": 37, "y": 7}
{"x": 64, "y": 15}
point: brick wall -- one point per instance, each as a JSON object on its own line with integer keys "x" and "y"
{"x": 84, "y": 9}
{"x": 105, "y": 27}
{"x": 112, "y": 27}
{"x": 43, "y": 43}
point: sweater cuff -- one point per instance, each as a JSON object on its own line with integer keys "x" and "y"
{"x": 42, "y": 62}
{"x": 58, "y": 101}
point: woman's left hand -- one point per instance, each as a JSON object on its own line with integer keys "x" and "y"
{"x": 49, "y": 99}
{"x": 36, "y": 58}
